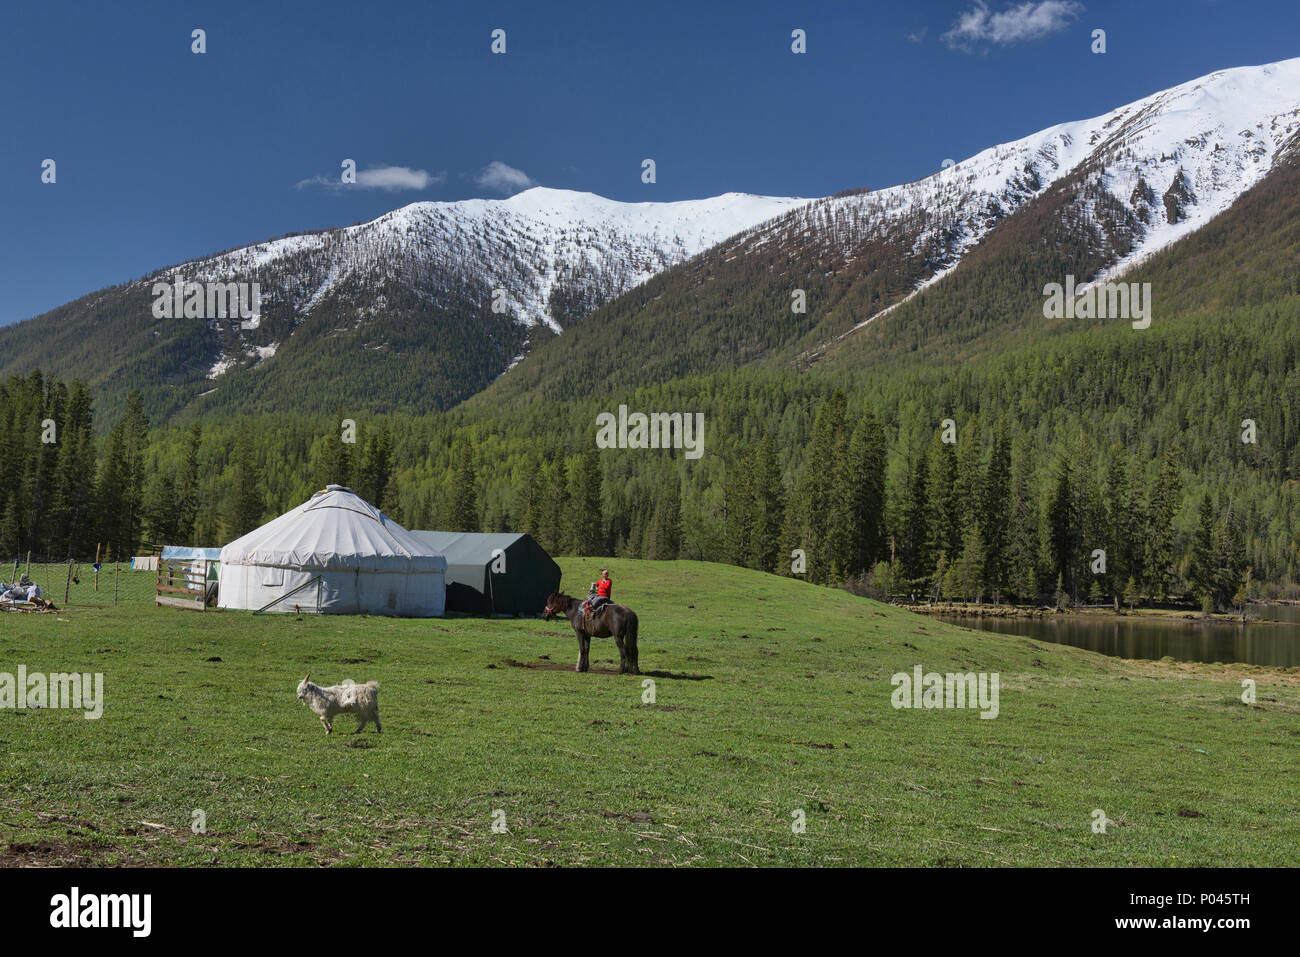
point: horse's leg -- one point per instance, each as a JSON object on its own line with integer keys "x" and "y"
{"x": 630, "y": 643}
{"x": 633, "y": 652}
{"x": 622, "y": 653}
{"x": 584, "y": 646}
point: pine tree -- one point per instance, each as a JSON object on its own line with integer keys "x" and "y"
{"x": 946, "y": 525}
{"x": 555, "y": 507}
{"x": 1063, "y": 526}
{"x": 42, "y": 468}
{"x": 376, "y": 467}
{"x": 11, "y": 528}
{"x": 336, "y": 463}
{"x": 187, "y": 488}
{"x": 529, "y": 496}
{"x": 741, "y": 504}
{"x": 967, "y": 481}
{"x": 1131, "y": 593}
{"x": 1161, "y": 512}
{"x": 1229, "y": 558}
{"x": 865, "y": 494}
{"x": 161, "y": 509}
{"x": 246, "y": 503}
{"x": 1138, "y": 521}
{"x": 588, "y": 503}
{"x": 74, "y": 495}
{"x": 110, "y": 497}
{"x": 1023, "y": 549}
{"x": 393, "y": 505}
{"x": 465, "y": 516}
{"x": 822, "y": 513}
{"x": 969, "y": 568}
{"x": 1202, "y": 574}
{"x": 1091, "y": 533}
{"x": 768, "y": 507}
{"x": 794, "y": 525}
{"x": 914, "y": 535}
{"x": 665, "y": 537}
{"x": 1118, "y": 540}
{"x": 208, "y": 526}
{"x": 135, "y": 431}
{"x": 942, "y": 581}
{"x": 23, "y": 439}
{"x": 995, "y": 513}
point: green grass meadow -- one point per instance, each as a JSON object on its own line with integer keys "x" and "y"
{"x": 772, "y": 697}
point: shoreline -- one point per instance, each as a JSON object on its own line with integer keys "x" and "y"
{"x": 972, "y": 610}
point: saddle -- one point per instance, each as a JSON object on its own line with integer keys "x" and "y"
{"x": 591, "y": 607}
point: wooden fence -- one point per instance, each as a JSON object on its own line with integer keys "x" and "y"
{"x": 181, "y": 584}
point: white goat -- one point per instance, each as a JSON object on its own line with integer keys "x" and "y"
{"x": 361, "y": 700}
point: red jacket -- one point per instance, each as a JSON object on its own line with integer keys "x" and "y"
{"x": 604, "y": 587}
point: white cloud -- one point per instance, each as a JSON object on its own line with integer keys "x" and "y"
{"x": 1016, "y": 24}
{"x": 398, "y": 177}
{"x": 918, "y": 36}
{"x": 388, "y": 178}
{"x": 502, "y": 178}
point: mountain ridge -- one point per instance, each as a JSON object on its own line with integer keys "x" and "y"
{"x": 1090, "y": 197}
{"x": 434, "y": 302}
{"x": 440, "y": 298}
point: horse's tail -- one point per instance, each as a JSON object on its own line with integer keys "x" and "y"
{"x": 632, "y": 623}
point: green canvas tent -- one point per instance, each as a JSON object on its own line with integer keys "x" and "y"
{"x": 501, "y": 573}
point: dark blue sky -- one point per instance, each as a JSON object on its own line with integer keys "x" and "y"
{"x": 163, "y": 155}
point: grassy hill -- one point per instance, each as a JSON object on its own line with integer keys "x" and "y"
{"x": 771, "y": 697}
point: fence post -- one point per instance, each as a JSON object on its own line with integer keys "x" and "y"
{"x": 68, "y": 586}
{"x": 116, "y": 566}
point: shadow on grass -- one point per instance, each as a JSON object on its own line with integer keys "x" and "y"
{"x": 676, "y": 676}
{"x": 547, "y": 665}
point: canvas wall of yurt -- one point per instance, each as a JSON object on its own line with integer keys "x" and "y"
{"x": 338, "y": 553}
{"x": 496, "y": 573}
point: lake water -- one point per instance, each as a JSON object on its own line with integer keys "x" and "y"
{"x": 1273, "y": 642}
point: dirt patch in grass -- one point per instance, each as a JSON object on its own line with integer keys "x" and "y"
{"x": 46, "y": 853}
{"x": 554, "y": 666}
{"x": 1219, "y": 671}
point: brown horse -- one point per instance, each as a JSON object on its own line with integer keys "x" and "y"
{"x": 612, "y": 621}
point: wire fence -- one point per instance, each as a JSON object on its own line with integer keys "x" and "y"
{"x": 75, "y": 583}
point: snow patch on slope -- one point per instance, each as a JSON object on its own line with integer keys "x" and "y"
{"x": 223, "y": 365}
{"x": 528, "y": 245}
{"x": 1221, "y": 133}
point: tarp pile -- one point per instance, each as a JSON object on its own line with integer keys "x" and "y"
{"x": 23, "y": 595}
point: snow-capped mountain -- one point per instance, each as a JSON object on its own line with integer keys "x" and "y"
{"x": 544, "y": 257}
{"x": 429, "y": 304}
{"x": 1144, "y": 175}
{"x": 421, "y": 307}
{"x": 543, "y": 249}
{"x": 1088, "y": 198}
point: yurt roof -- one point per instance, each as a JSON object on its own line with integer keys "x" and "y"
{"x": 334, "y": 529}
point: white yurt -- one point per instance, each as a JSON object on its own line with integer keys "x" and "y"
{"x": 365, "y": 562}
